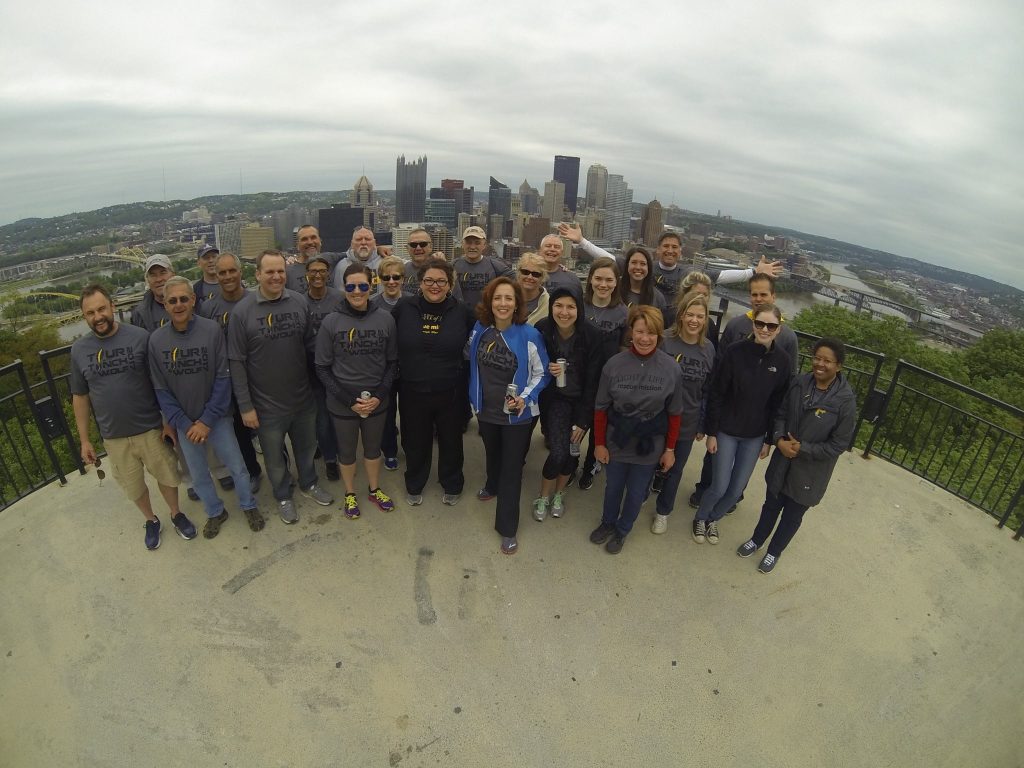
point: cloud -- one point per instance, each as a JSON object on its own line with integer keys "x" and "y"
{"x": 891, "y": 125}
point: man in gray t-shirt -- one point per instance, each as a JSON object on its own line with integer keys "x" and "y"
{"x": 474, "y": 270}
{"x": 189, "y": 366}
{"x": 269, "y": 336}
{"x": 110, "y": 377}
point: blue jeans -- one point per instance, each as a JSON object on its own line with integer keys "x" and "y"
{"x": 632, "y": 479}
{"x": 225, "y": 446}
{"x": 667, "y": 497}
{"x": 732, "y": 466}
{"x": 301, "y": 428}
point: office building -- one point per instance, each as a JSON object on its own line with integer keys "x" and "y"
{"x": 362, "y": 194}
{"x": 529, "y": 198}
{"x": 441, "y": 211}
{"x": 499, "y": 200}
{"x": 597, "y": 186}
{"x": 567, "y": 172}
{"x": 456, "y": 190}
{"x": 618, "y": 211}
{"x": 410, "y": 190}
{"x": 227, "y": 236}
{"x": 534, "y": 231}
{"x": 553, "y": 206}
{"x": 253, "y": 240}
{"x": 337, "y": 224}
{"x": 652, "y": 224}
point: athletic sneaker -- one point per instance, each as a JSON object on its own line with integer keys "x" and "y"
{"x": 601, "y": 534}
{"x": 509, "y": 545}
{"x": 351, "y": 506}
{"x": 414, "y": 499}
{"x": 255, "y": 519}
{"x": 391, "y": 463}
{"x": 318, "y": 494}
{"x": 183, "y": 526}
{"x": 747, "y": 549}
{"x": 572, "y": 478}
{"x": 227, "y": 483}
{"x": 382, "y": 500}
{"x": 450, "y": 499}
{"x": 659, "y": 524}
{"x": 286, "y": 510}
{"x": 254, "y": 483}
{"x": 331, "y": 471}
{"x": 586, "y": 481}
{"x": 540, "y": 509}
{"x": 699, "y": 531}
{"x": 557, "y": 505}
{"x": 484, "y": 495}
{"x": 153, "y": 534}
{"x": 768, "y": 564}
{"x": 614, "y": 545}
{"x": 694, "y": 500}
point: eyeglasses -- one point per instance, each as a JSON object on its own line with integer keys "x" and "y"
{"x": 425, "y": 244}
{"x": 531, "y": 273}
{"x": 762, "y": 325}
{"x": 361, "y": 287}
{"x": 317, "y": 272}
{"x": 430, "y": 282}
{"x": 174, "y": 300}
{"x": 391, "y": 278}
{"x": 824, "y": 361}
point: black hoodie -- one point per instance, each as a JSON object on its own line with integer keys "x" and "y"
{"x": 431, "y": 340}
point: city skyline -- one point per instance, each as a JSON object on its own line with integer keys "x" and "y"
{"x": 891, "y": 126}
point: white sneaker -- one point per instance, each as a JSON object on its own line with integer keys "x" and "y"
{"x": 659, "y": 524}
{"x": 540, "y": 509}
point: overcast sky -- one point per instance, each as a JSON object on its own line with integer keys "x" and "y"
{"x": 892, "y": 125}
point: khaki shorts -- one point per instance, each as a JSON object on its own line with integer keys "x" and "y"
{"x": 131, "y": 456}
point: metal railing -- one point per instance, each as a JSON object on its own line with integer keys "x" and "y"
{"x": 962, "y": 440}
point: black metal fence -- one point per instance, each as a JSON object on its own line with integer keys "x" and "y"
{"x": 962, "y": 440}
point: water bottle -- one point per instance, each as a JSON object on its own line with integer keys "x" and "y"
{"x": 364, "y": 395}
{"x": 658, "y": 482}
{"x": 574, "y": 448}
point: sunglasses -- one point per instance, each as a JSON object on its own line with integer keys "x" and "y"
{"x": 419, "y": 245}
{"x": 531, "y": 273}
{"x": 362, "y": 288}
{"x": 100, "y": 474}
{"x": 391, "y": 278}
{"x": 762, "y": 325}
{"x": 177, "y": 300}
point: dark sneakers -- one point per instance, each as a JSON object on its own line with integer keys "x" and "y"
{"x": 183, "y": 526}
{"x": 614, "y": 545}
{"x": 747, "y": 549}
{"x": 768, "y": 564}
{"x": 153, "y": 534}
{"x": 227, "y": 483}
{"x": 601, "y": 534}
{"x": 331, "y": 471}
{"x": 694, "y": 500}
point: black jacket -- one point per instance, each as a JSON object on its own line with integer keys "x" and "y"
{"x": 431, "y": 340}
{"x": 747, "y": 386}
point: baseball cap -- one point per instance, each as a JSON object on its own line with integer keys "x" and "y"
{"x": 157, "y": 260}
{"x": 205, "y": 249}
{"x": 474, "y": 232}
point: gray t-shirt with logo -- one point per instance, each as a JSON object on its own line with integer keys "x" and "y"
{"x": 267, "y": 344}
{"x": 497, "y": 365}
{"x": 219, "y": 309}
{"x": 187, "y": 363}
{"x": 359, "y": 348}
{"x": 474, "y": 277}
{"x": 114, "y": 373}
{"x": 695, "y": 362}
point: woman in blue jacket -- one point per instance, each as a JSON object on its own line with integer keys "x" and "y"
{"x": 504, "y": 350}
{"x": 812, "y": 429}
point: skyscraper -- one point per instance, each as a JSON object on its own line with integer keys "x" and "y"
{"x": 336, "y": 226}
{"x": 410, "y": 189}
{"x": 499, "y": 200}
{"x": 441, "y": 211}
{"x": 652, "y": 224}
{"x": 619, "y": 209}
{"x": 455, "y": 189}
{"x": 567, "y": 171}
{"x": 597, "y": 186}
{"x": 529, "y": 198}
{"x": 554, "y": 200}
{"x": 362, "y": 193}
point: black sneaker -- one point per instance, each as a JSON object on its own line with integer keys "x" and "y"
{"x": 331, "y": 470}
{"x": 254, "y": 482}
{"x": 768, "y": 564}
{"x": 601, "y": 534}
{"x": 153, "y": 534}
{"x": 191, "y": 492}
{"x": 184, "y": 526}
{"x": 227, "y": 483}
{"x": 694, "y": 500}
{"x": 747, "y": 549}
{"x": 614, "y": 545}
{"x": 572, "y": 478}
{"x": 586, "y": 481}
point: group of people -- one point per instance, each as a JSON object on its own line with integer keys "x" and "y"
{"x": 335, "y": 350}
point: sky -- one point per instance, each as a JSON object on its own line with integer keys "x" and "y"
{"x": 892, "y": 125}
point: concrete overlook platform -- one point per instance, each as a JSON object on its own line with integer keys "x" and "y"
{"x": 887, "y": 636}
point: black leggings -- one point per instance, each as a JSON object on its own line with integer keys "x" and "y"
{"x": 556, "y": 419}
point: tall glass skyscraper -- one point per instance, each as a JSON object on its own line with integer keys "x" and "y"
{"x": 567, "y": 171}
{"x": 410, "y": 190}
